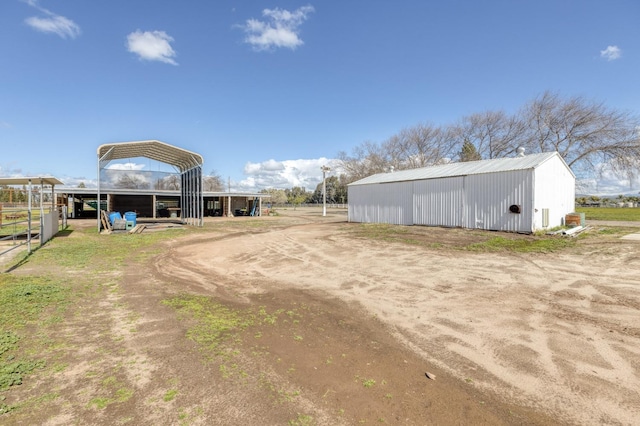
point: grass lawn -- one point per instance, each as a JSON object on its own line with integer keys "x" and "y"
{"x": 627, "y": 214}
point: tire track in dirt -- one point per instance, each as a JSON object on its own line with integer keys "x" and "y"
{"x": 549, "y": 331}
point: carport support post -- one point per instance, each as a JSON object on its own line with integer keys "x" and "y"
{"x": 324, "y": 169}
{"x": 155, "y": 204}
{"x": 29, "y": 221}
{"x": 98, "y": 196}
{"x": 41, "y": 211}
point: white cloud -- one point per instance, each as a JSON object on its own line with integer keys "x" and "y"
{"x": 611, "y": 53}
{"x": 281, "y": 28}
{"x": 4, "y": 125}
{"x": 607, "y": 183}
{"x": 52, "y": 23}
{"x": 73, "y": 182}
{"x": 152, "y": 46}
{"x": 10, "y": 172}
{"x": 282, "y": 174}
{"x": 125, "y": 166}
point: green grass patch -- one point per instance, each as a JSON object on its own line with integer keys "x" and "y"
{"x": 98, "y": 252}
{"x": 302, "y": 420}
{"x": 117, "y": 393}
{"x": 381, "y": 231}
{"x": 392, "y": 234}
{"x": 368, "y": 383}
{"x": 24, "y": 301}
{"x": 8, "y": 341}
{"x": 170, "y": 395}
{"x": 12, "y": 373}
{"x": 626, "y": 214}
{"x": 212, "y": 321}
{"x": 615, "y": 231}
{"x": 486, "y": 241}
{"x": 537, "y": 245}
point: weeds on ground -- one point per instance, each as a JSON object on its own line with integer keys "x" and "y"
{"x": 213, "y": 321}
{"x": 31, "y": 303}
{"x": 102, "y": 253}
{"x": 535, "y": 245}
{"x": 486, "y": 241}
{"x": 302, "y": 420}
{"x": 25, "y": 301}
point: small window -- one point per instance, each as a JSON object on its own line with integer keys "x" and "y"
{"x": 514, "y": 208}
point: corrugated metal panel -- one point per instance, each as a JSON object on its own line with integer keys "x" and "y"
{"x": 438, "y": 202}
{"x": 463, "y": 169}
{"x": 385, "y": 203}
{"x": 555, "y": 191}
{"x": 489, "y": 196}
{"x": 154, "y": 149}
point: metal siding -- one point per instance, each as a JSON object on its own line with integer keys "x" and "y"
{"x": 438, "y": 202}
{"x": 488, "y": 197}
{"x": 555, "y": 190}
{"x": 382, "y": 203}
{"x": 473, "y": 201}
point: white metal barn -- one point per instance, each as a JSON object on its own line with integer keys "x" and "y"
{"x": 521, "y": 194}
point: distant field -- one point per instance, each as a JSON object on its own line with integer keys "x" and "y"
{"x": 611, "y": 213}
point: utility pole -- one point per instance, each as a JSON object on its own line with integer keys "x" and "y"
{"x": 324, "y": 169}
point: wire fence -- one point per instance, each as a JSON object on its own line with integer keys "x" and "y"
{"x": 19, "y": 225}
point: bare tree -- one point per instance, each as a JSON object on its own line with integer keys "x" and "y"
{"x": 170, "y": 182}
{"x": 213, "y": 182}
{"x": 493, "y": 133}
{"x": 419, "y": 146}
{"x": 365, "y": 160}
{"x": 586, "y": 133}
{"x": 589, "y": 136}
{"x": 131, "y": 181}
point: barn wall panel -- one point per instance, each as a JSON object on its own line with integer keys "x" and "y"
{"x": 438, "y": 202}
{"x": 489, "y": 196}
{"x": 555, "y": 190}
{"x": 382, "y": 203}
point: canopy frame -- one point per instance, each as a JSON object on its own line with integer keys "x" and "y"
{"x": 189, "y": 164}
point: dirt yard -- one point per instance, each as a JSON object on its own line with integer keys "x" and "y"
{"x": 360, "y": 332}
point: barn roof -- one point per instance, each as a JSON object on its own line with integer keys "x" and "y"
{"x": 495, "y": 165}
{"x": 156, "y": 150}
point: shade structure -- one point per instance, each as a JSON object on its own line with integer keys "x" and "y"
{"x": 39, "y": 180}
{"x": 182, "y": 159}
{"x": 188, "y": 163}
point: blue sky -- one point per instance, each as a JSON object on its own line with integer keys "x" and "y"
{"x": 267, "y": 92}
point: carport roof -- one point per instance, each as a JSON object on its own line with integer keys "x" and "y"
{"x": 156, "y": 150}
{"x": 48, "y": 180}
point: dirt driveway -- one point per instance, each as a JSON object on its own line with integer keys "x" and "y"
{"x": 356, "y": 331}
{"x": 559, "y": 333}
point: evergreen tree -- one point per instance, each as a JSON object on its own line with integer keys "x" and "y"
{"x": 469, "y": 152}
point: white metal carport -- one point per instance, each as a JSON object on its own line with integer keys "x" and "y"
{"x": 187, "y": 163}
